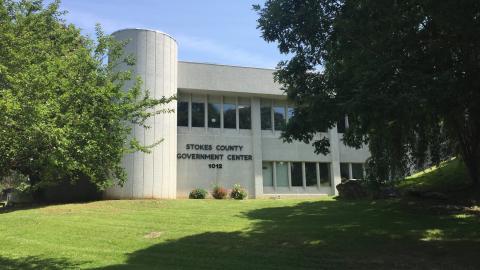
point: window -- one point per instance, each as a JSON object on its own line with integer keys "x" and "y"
{"x": 324, "y": 174}
{"x": 229, "y": 113}
{"x": 341, "y": 125}
{"x": 198, "y": 111}
{"x": 290, "y": 113}
{"x": 266, "y": 114}
{"x": 214, "y": 110}
{"x": 344, "y": 171}
{"x": 357, "y": 170}
{"x": 267, "y": 169}
{"x": 279, "y": 117}
{"x": 281, "y": 174}
{"x": 310, "y": 174}
{"x": 276, "y": 174}
{"x": 296, "y": 174}
{"x": 182, "y": 111}
{"x": 244, "y": 113}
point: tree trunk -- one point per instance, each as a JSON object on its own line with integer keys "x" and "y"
{"x": 468, "y": 134}
{"x": 473, "y": 171}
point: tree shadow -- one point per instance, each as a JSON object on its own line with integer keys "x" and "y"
{"x": 35, "y": 263}
{"x": 324, "y": 235}
{"x": 20, "y": 207}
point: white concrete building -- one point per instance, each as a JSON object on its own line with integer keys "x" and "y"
{"x": 225, "y": 130}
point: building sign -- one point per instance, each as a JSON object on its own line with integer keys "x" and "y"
{"x": 223, "y": 152}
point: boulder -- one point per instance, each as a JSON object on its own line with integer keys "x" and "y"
{"x": 351, "y": 189}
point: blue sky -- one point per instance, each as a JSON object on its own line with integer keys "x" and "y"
{"x": 213, "y": 31}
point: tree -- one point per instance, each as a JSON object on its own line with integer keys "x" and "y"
{"x": 405, "y": 72}
{"x": 64, "y": 111}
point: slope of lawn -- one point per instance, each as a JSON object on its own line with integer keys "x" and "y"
{"x": 252, "y": 234}
{"x": 449, "y": 175}
{"x": 449, "y": 178}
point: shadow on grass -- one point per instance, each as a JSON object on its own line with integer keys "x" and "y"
{"x": 35, "y": 263}
{"x": 325, "y": 235}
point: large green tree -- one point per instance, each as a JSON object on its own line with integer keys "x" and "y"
{"x": 65, "y": 113}
{"x": 407, "y": 73}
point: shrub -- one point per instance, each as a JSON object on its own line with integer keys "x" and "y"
{"x": 238, "y": 192}
{"x": 219, "y": 192}
{"x": 198, "y": 193}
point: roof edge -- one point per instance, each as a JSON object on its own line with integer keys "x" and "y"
{"x": 225, "y": 65}
{"x": 145, "y": 29}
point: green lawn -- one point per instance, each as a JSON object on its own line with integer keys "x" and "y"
{"x": 252, "y": 234}
{"x": 447, "y": 177}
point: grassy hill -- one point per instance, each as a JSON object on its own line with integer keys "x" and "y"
{"x": 252, "y": 234}
{"x": 449, "y": 178}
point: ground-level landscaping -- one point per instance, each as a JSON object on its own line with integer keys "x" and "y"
{"x": 252, "y": 234}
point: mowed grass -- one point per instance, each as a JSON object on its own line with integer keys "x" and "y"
{"x": 252, "y": 234}
{"x": 449, "y": 176}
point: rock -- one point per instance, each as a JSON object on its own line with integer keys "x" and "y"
{"x": 351, "y": 189}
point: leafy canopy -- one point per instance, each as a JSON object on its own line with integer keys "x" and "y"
{"x": 65, "y": 112}
{"x": 405, "y": 72}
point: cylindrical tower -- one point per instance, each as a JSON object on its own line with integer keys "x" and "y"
{"x": 152, "y": 175}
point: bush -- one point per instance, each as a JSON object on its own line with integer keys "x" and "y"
{"x": 198, "y": 193}
{"x": 219, "y": 192}
{"x": 238, "y": 192}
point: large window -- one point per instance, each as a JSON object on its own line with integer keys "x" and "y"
{"x": 267, "y": 169}
{"x": 290, "y": 113}
{"x": 344, "y": 171}
{"x": 214, "y": 111}
{"x": 198, "y": 111}
{"x": 342, "y": 125}
{"x": 351, "y": 171}
{"x": 266, "y": 114}
{"x": 282, "y": 174}
{"x": 244, "y": 113}
{"x": 279, "y": 116}
{"x": 296, "y": 174}
{"x": 310, "y": 174}
{"x": 357, "y": 170}
{"x": 325, "y": 179}
{"x": 211, "y": 112}
{"x": 275, "y": 114}
{"x": 182, "y": 112}
{"x": 229, "y": 113}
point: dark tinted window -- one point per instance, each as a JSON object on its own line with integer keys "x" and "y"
{"x": 214, "y": 111}
{"x": 198, "y": 114}
{"x": 244, "y": 114}
{"x": 324, "y": 174}
{"x": 344, "y": 171}
{"x": 310, "y": 174}
{"x": 279, "y": 117}
{"x": 357, "y": 170}
{"x": 341, "y": 125}
{"x": 182, "y": 113}
{"x": 266, "y": 115}
{"x": 229, "y": 113}
{"x": 296, "y": 174}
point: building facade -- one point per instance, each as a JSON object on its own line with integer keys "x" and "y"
{"x": 225, "y": 130}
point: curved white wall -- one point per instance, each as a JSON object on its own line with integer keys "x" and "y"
{"x": 152, "y": 175}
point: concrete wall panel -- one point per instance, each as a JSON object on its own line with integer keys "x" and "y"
{"x": 152, "y": 175}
